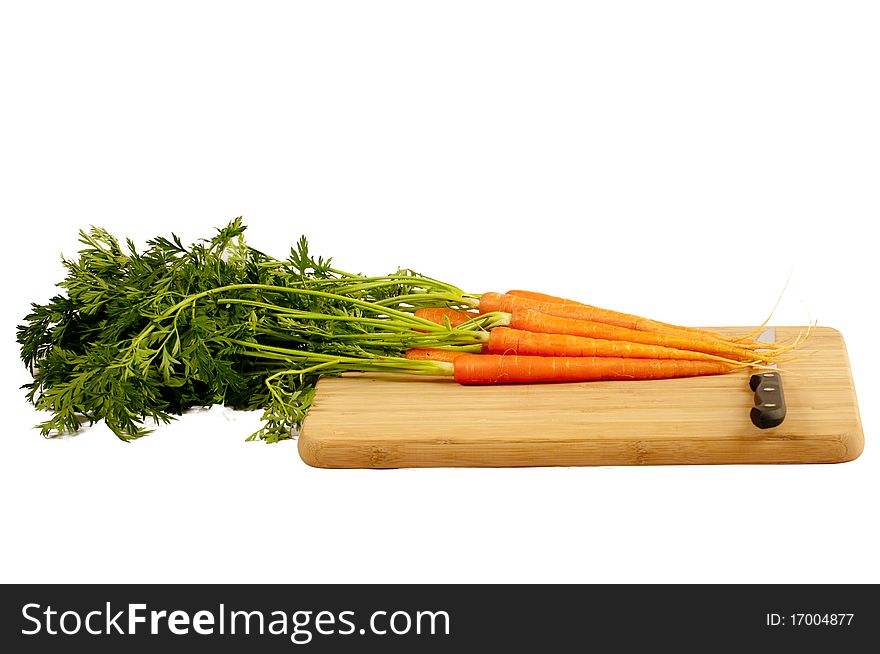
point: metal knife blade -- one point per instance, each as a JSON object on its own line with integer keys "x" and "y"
{"x": 769, "y": 410}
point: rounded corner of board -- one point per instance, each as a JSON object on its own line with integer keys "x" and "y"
{"x": 309, "y": 450}
{"x": 853, "y": 443}
{"x": 832, "y": 331}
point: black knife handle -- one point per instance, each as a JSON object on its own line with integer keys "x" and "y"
{"x": 769, "y": 409}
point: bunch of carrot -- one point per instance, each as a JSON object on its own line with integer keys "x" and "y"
{"x": 148, "y": 334}
{"x": 542, "y": 338}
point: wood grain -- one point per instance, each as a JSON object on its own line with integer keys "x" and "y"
{"x": 394, "y": 421}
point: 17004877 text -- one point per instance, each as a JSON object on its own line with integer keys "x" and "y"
{"x": 809, "y": 619}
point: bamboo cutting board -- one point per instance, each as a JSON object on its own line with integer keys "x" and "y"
{"x": 395, "y": 421}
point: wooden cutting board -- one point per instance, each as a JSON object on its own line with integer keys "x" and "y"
{"x": 395, "y": 421}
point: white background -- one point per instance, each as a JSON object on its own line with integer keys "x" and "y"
{"x": 673, "y": 159}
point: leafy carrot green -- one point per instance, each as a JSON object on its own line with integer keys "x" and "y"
{"x": 140, "y": 335}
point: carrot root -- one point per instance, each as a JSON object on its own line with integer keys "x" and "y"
{"x": 572, "y": 309}
{"x": 504, "y": 340}
{"x": 445, "y": 316}
{"x": 433, "y": 354}
{"x": 502, "y": 369}
{"x": 535, "y": 321}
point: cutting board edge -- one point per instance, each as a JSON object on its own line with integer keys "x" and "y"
{"x": 377, "y": 454}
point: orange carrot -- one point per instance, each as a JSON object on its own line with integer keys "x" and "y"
{"x": 504, "y": 340}
{"x": 535, "y": 321}
{"x": 571, "y": 309}
{"x": 432, "y": 354}
{"x": 543, "y": 297}
{"x": 501, "y": 369}
{"x": 440, "y": 315}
